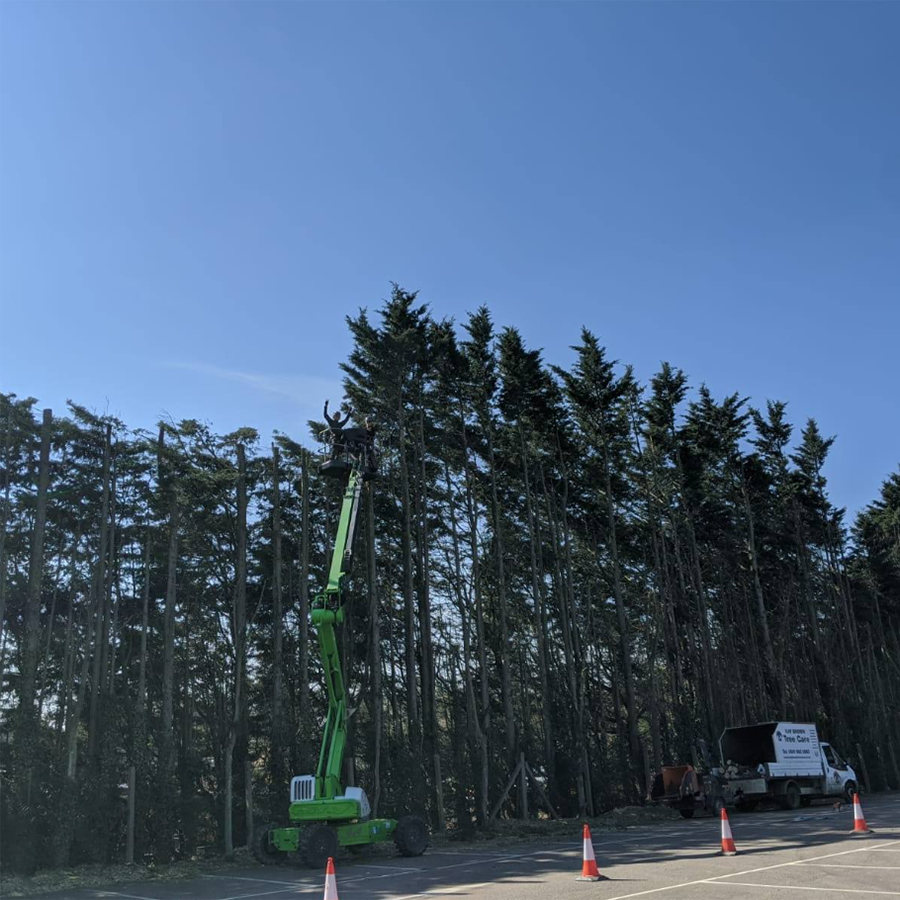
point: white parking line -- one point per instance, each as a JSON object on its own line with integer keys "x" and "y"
{"x": 798, "y": 887}
{"x": 848, "y": 866}
{"x": 669, "y": 887}
{"x": 395, "y": 868}
{"x": 444, "y": 890}
{"x": 255, "y": 880}
{"x": 716, "y": 880}
{"x": 262, "y": 893}
{"x": 118, "y": 894}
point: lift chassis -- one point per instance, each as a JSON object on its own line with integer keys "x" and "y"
{"x": 323, "y": 814}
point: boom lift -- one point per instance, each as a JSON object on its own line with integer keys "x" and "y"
{"x": 324, "y": 815}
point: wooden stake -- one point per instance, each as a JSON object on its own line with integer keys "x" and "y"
{"x": 540, "y": 790}
{"x": 505, "y": 791}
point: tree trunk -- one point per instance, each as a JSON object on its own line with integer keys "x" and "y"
{"x": 559, "y": 544}
{"x": 26, "y": 743}
{"x": 277, "y": 738}
{"x": 239, "y": 627}
{"x": 44, "y": 661}
{"x": 622, "y": 619}
{"x": 429, "y": 718}
{"x": 248, "y": 799}
{"x": 100, "y": 608}
{"x": 475, "y": 736}
{"x": 303, "y": 609}
{"x": 375, "y": 652}
{"x": 483, "y": 729}
{"x": 140, "y": 705}
{"x": 4, "y": 521}
{"x": 69, "y": 812}
{"x": 537, "y": 597}
{"x": 774, "y": 683}
{"x": 112, "y": 587}
{"x": 412, "y": 703}
{"x": 74, "y": 719}
{"x": 68, "y": 669}
{"x": 165, "y": 784}
{"x": 129, "y": 831}
{"x": 509, "y": 720}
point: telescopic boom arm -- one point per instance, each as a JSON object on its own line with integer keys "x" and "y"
{"x": 327, "y": 612}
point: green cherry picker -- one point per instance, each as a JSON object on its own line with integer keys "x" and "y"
{"x": 323, "y": 814}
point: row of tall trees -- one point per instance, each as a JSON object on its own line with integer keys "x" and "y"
{"x": 561, "y": 563}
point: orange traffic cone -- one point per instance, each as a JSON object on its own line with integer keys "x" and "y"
{"x": 330, "y": 883}
{"x": 728, "y": 848}
{"x": 859, "y": 820}
{"x": 589, "y": 870}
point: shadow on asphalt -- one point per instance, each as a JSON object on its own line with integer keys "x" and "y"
{"x": 555, "y": 862}
{"x": 364, "y": 874}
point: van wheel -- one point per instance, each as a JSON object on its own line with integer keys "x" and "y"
{"x": 791, "y": 797}
{"x": 686, "y": 813}
{"x": 850, "y": 789}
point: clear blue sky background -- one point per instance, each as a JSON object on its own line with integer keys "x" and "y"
{"x": 193, "y": 195}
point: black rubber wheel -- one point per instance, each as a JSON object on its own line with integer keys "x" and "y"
{"x": 686, "y": 813}
{"x": 411, "y": 836}
{"x": 317, "y": 843}
{"x": 791, "y": 798}
{"x": 850, "y": 789}
{"x": 262, "y": 849}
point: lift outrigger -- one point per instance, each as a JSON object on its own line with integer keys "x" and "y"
{"x": 324, "y": 815}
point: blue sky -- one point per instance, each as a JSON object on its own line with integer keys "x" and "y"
{"x": 193, "y": 195}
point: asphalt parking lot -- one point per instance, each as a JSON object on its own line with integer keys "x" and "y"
{"x": 780, "y": 855}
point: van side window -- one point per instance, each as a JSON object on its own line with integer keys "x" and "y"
{"x": 833, "y": 758}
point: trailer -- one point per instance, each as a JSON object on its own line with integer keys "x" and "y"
{"x": 688, "y": 790}
{"x": 781, "y": 761}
